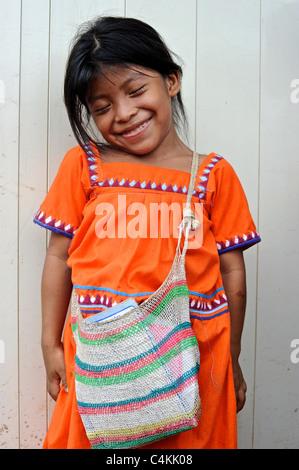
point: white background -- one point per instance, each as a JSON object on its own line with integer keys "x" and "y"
{"x": 241, "y": 62}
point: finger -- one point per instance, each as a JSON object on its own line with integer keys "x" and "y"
{"x": 240, "y": 404}
{"x": 241, "y": 397}
{"x": 64, "y": 380}
{"x": 53, "y": 388}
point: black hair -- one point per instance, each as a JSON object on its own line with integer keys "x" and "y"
{"x": 113, "y": 41}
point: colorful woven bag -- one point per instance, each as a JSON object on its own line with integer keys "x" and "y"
{"x": 136, "y": 375}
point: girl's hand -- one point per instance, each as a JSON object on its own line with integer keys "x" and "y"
{"x": 240, "y": 385}
{"x": 55, "y": 368}
{"x": 233, "y": 274}
{"x": 56, "y": 293}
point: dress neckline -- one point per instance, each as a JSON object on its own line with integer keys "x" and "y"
{"x": 157, "y": 168}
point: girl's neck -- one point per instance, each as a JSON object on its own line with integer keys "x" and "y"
{"x": 173, "y": 156}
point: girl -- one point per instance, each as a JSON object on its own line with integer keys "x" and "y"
{"x": 122, "y": 83}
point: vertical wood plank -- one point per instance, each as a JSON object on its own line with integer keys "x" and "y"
{"x": 64, "y": 24}
{"x": 221, "y": 93}
{"x": 65, "y": 20}
{"x": 175, "y": 21}
{"x": 277, "y": 377}
{"x": 32, "y": 240}
{"x": 9, "y": 134}
{"x": 228, "y": 123}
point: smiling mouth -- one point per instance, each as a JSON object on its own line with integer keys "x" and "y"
{"x": 137, "y": 130}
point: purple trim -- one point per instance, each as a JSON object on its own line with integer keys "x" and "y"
{"x": 199, "y": 191}
{"x": 48, "y": 222}
{"x": 203, "y": 179}
{"x": 248, "y": 243}
{"x": 53, "y": 229}
{"x": 204, "y": 317}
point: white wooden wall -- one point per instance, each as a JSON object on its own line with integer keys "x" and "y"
{"x": 241, "y": 88}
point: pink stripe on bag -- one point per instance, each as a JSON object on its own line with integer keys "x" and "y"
{"x": 107, "y": 410}
{"x": 146, "y": 360}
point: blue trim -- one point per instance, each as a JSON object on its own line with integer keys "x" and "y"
{"x": 204, "y": 295}
{"x": 200, "y": 317}
{"x": 53, "y": 229}
{"x": 201, "y": 312}
{"x": 141, "y": 294}
{"x": 253, "y": 241}
{"x": 113, "y": 291}
{"x": 92, "y": 311}
{"x": 82, "y": 305}
{"x": 97, "y": 306}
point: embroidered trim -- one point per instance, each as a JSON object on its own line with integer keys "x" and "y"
{"x": 145, "y": 185}
{"x": 208, "y": 317}
{"x": 205, "y": 307}
{"x": 201, "y": 306}
{"x": 238, "y": 242}
{"x": 204, "y": 178}
{"x": 91, "y": 304}
{"x": 113, "y": 291}
{"x": 51, "y": 224}
{"x": 199, "y": 192}
{"x": 91, "y": 160}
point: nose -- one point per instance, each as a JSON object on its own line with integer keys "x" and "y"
{"x": 124, "y": 110}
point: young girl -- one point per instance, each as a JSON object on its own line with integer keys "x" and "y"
{"x": 122, "y": 83}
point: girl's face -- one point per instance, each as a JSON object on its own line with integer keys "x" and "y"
{"x": 132, "y": 108}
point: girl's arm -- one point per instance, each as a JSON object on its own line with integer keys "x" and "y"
{"x": 233, "y": 274}
{"x": 56, "y": 292}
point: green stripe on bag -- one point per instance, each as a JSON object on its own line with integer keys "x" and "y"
{"x": 160, "y": 362}
{"x": 176, "y": 292}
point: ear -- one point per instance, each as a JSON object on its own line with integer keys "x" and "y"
{"x": 173, "y": 83}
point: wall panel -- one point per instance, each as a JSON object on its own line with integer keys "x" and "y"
{"x": 10, "y": 31}
{"x": 176, "y": 23}
{"x": 64, "y": 24}
{"x": 63, "y": 27}
{"x": 277, "y": 378}
{"x": 240, "y": 63}
{"x": 32, "y": 242}
{"x": 227, "y": 119}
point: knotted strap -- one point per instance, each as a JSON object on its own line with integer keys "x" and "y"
{"x": 189, "y": 222}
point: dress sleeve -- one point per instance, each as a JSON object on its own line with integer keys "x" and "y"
{"x": 232, "y": 224}
{"x": 61, "y": 210}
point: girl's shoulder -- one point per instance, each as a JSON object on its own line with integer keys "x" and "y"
{"x": 74, "y": 156}
{"x": 78, "y": 164}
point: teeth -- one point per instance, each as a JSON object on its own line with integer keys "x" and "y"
{"x": 134, "y": 131}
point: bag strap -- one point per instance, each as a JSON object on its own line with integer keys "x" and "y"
{"x": 194, "y": 170}
{"x": 189, "y": 222}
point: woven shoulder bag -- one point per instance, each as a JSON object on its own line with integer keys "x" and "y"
{"x": 136, "y": 374}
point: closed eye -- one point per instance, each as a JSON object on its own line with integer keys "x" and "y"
{"x": 137, "y": 92}
{"x": 102, "y": 110}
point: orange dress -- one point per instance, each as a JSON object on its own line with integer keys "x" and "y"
{"x": 122, "y": 221}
